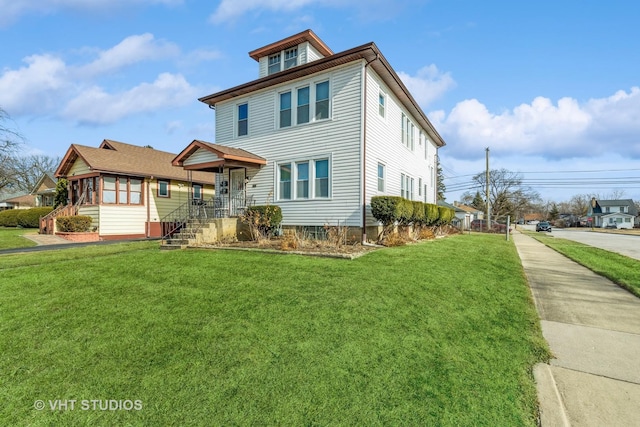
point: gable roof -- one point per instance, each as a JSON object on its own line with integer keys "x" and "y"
{"x": 226, "y": 155}
{"x": 368, "y": 52}
{"x": 126, "y": 159}
{"x": 467, "y": 208}
{"x": 632, "y": 209}
{"x": 46, "y": 179}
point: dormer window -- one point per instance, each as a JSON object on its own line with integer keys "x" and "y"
{"x": 274, "y": 63}
{"x": 290, "y": 58}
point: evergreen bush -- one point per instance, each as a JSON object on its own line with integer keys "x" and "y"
{"x": 74, "y": 224}
{"x": 30, "y": 218}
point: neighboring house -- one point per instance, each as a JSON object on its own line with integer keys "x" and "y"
{"x": 321, "y": 134}
{"x": 22, "y": 201}
{"x": 613, "y": 213}
{"x": 464, "y": 214}
{"x": 474, "y": 213}
{"x": 45, "y": 190}
{"x": 128, "y": 189}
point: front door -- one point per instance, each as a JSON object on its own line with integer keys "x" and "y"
{"x": 236, "y": 195}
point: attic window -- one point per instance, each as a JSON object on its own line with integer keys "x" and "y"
{"x": 274, "y": 63}
{"x": 290, "y": 58}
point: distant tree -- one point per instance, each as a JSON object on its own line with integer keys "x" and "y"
{"x": 507, "y": 194}
{"x": 579, "y": 204}
{"x": 478, "y": 202}
{"x": 62, "y": 194}
{"x": 440, "y": 183}
{"x": 29, "y": 169}
{"x": 10, "y": 141}
{"x": 554, "y": 212}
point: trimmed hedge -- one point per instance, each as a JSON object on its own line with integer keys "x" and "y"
{"x": 9, "y": 218}
{"x": 74, "y": 224}
{"x": 30, "y": 218}
{"x": 391, "y": 209}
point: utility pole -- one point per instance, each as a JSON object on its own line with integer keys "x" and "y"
{"x": 487, "y": 195}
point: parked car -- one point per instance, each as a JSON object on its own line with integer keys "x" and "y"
{"x": 543, "y": 226}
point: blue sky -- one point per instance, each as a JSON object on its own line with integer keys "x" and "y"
{"x": 551, "y": 87}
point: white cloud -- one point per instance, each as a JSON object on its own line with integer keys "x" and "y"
{"x": 35, "y": 87}
{"x": 133, "y": 49}
{"x": 563, "y": 130}
{"x": 14, "y": 9}
{"x": 428, "y": 85}
{"x": 95, "y": 106}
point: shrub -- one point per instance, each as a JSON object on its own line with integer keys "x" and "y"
{"x": 446, "y": 215}
{"x": 9, "y": 218}
{"x": 395, "y": 239}
{"x": 432, "y": 213}
{"x": 404, "y": 211}
{"x": 418, "y": 217}
{"x": 74, "y": 224}
{"x": 30, "y": 218}
{"x": 263, "y": 220}
{"x": 60, "y": 199}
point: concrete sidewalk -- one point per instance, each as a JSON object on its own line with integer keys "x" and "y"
{"x": 593, "y": 329}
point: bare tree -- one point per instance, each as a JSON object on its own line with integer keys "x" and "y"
{"x": 10, "y": 141}
{"x": 507, "y": 194}
{"x": 29, "y": 169}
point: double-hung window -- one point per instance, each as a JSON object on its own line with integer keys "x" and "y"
{"x": 322, "y": 178}
{"x": 302, "y": 180}
{"x": 274, "y": 63}
{"x": 303, "y": 105}
{"x": 285, "y": 181}
{"x": 243, "y": 119}
{"x": 197, "y": 191}
{"x": 322, "y": 100}
{"x": 305, "y": 179}
{"x": 381, "y": 174}
{"x": 290, "y": 58}
{"x": 403, "y": 188}
{"x": 109, "y": 189}
{"x": 381, "y": 101}
{"x": 285, "y": 109}
{"x": 135, "y": 191}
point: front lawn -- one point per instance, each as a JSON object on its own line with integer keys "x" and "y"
{"x": 11, "y": 238}
{"x": 438, "y": 333}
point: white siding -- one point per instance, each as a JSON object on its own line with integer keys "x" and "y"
{"x": 201, "y": 156}
{"x": 337, "y": 138}
{"x": 384, "y": 145}
{"x": 121, "y": 220}
{"x": 93, "y": 211}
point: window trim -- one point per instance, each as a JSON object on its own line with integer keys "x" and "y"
{"x": 193, "y": 191}
{"x": 311, "y": 182}
{"x": 239, "y": 120}
{"x": 382, "y": 104}
{"x": 158, "y": 193}
{"x": 311, "y": 106}
{"x": 118, "y": 190}
{"x": 382, "y": 180}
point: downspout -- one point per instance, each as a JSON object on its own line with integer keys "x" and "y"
{"x": 364, "y": 150}
{"x": 148, "y": 202}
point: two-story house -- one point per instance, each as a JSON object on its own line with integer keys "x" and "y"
{"x": 320, "y": 133}
{"x": 613, "y": 213}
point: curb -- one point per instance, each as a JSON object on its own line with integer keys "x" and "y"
{"x": 552, "y": 410}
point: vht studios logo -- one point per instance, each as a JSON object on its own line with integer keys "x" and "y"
{"x": 88, "y": 405}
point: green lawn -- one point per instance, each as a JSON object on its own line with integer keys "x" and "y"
{"x": 12, "y": 237}
{"x": 440, "y": 333}
{"x": 618, "y": 268}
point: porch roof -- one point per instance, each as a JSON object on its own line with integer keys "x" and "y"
{"x": 221, "y": 156}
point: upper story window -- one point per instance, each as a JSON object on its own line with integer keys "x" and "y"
{"x": 290, "y": 58}
{"x": 408, "y": 131}
{"x": 243, "y": 119}
{"x": 312, "y": 102}
{"x": 381, "y": 102}
{"x": 322, "y": 100}
{"x": 274, "y": 63}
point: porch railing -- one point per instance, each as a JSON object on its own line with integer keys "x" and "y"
{"x": 196, "y": 212}
{"x": 48, "y": 222}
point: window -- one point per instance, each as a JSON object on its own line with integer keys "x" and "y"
{"x": 425, "y": 193}
{"x": 381, "y": 104}
{"x": 412, "y": 132}
{"x": 197, "y": 191}
{"x": 622, "y": 209}
{"x": 322, "y": 178}
{"x": 627, "y": 220}
{"x": 274, "y": 63}
{"x": 322, "y": 100}
{"x": 420, "y": 186}
{"x": 403, "y": 125}
{"x": 290, "y": 58}
{"x": 243, "y": 119}
{"x": 285, "y": 181}
{"x": 163, "y": 189}
{"x": 302, "y": 180}
{"x": 408, "y": 131}
{"x": 285, "y": 109}
{"x": 109, "y": 189}
{"x": 410, "y": 187}
{"x": 607, "y": 209}
{"x": 403, "y": 188}
{"x": 406, "y": 186}
{"x": 135, "y": 191}
{"x": 122, "y": 191}
{"x": 303, "y": 105}
{"x": 380, "y": 177}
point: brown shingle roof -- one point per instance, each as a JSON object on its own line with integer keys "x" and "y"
{"x": 126, "y": 159}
